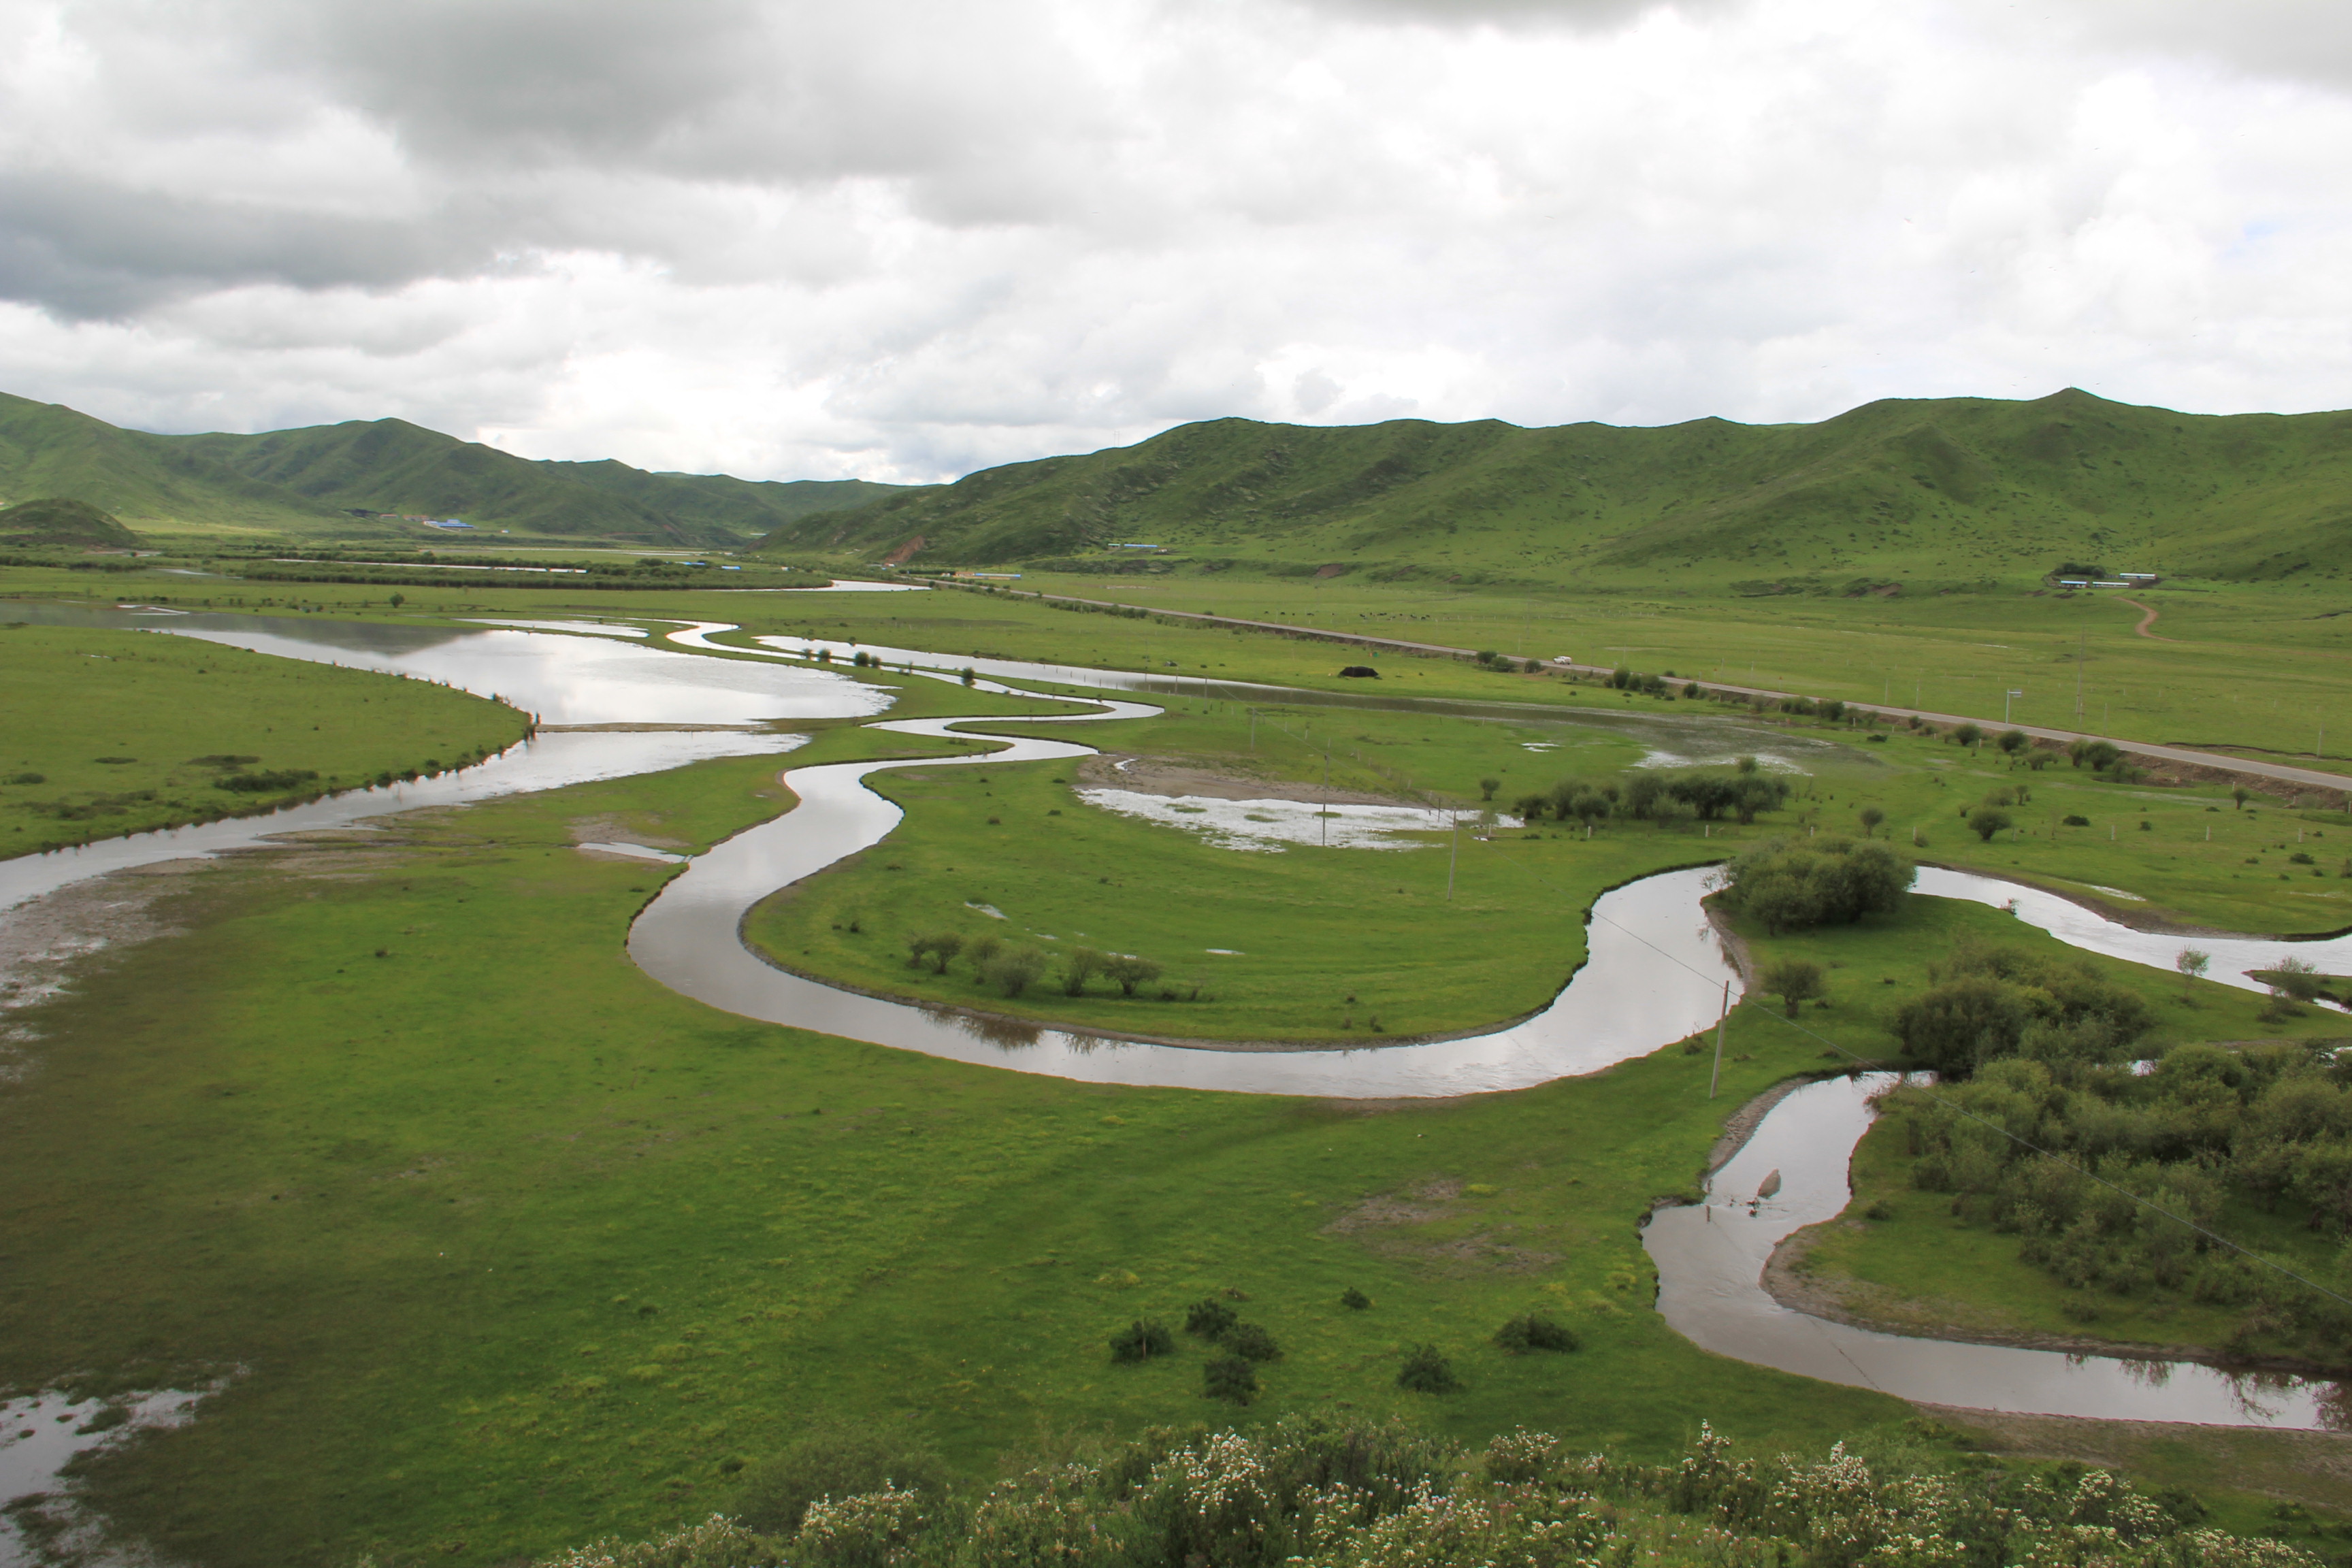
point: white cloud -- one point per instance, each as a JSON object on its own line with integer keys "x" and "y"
{"x": 908, "y": 238}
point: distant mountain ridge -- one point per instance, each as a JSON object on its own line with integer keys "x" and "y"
{"x": 1942, "y": 489}
{"x": 307, "y": 483}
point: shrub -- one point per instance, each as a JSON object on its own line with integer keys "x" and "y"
{"x": 1208, "y": 1319}
{"x": 1985, "y": 820}
{"x": 835, "y": 1462}
{"x": 1015, "y": 970}
{"x": 1967, "y": 734}
{"x": 1535, "y": 1332}
{"x": 2015, "y": 741}
{"x": 1795, "y": 981}
{"x": 1870, "y": 816}
{"x": 2074, "y": 822}
{"x": 979, "y": 950}
{"x": 866, "y": 1530}
{"x": 268, "y": 782}
{"x": 1229, "y": 1377}
{"x": 1251, "y": 1342}
{"x": 1131, "y": 972}
{"x": 1361, "y": 672}
{"x": 1989, "y": 996}
{"x": 1140, "y": 1341}
{"x": 2292, "y": 978}
{"x": 1355, "y": 1300}
{"x": 1426, "y": 1372}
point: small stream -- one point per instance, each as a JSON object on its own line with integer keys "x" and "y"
{"x": 1711, "y": 1258}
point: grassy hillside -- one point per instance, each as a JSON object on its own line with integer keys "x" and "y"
{"x": 152, "y": 484}
{"x": 390, "y": 465}
{"x": 307, "y": 483}
{"x": 55, "y": 519}
{"x": 1940, "y": 490}
{"x": 742, "y": 507}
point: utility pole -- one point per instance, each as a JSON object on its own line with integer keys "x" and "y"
{"x": 1453, "y": 850}
{"x": 2078, "y": 680}
{"x": 1324, "y": 816}
{"x": 1715, "y": 1078}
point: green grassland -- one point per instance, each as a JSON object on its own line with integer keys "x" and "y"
{"x": 111, "y": 732}
{"x": 2262, "y": 666}
{"x": 1057, "y": 866}
{"x": 513, "y": 1246}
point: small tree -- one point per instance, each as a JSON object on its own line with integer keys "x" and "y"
{"x": 2013, "y": 742}
{"x": 2192, "y": 962}
{"x": 1871, "y": 817}
{"x": 1987, "y": 820}
{"x": 969, "y": 675}
{"x": 1967, "y": 734}
{"x": 1077, "y": 964}
{"x": 1015, "y": 970}
{"x": 1131, "y": 972}
{"x": 979, "y": 951}
{"x": 2239, "y": 796}
{"x": 1486, "y": 788}
{"x": 1795, "y": 981}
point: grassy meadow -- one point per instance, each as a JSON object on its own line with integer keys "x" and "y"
{"x": 111, "y": 732}
{"x": 507, "y": 1247}
{"x": 513, "y": 1246}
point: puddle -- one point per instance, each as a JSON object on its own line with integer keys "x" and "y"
{"x": 635, "y": 852}
{"x": 1711, "y": 1258}
{"x": 1266, "y": 826}
{"x": 41, "y": 1432}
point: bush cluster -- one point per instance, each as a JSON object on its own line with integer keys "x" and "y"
{"x": 1655, "y": 796}
{"x": 1794, "y": 884}
{"x": 1985, "y": 1003}
{"x": 2206, "y": 1127}
{"x": 1321, "y": 1494}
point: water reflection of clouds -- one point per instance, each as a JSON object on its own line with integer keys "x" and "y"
{"x": 572, "y": 680}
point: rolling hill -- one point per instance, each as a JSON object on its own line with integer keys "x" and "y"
{"x": 51, "y": 520}
{"x": 1933, "y": 489}
{"x": 308, "y": 484}
{"x": 47, "y": 450}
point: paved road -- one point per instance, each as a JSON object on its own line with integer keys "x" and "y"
{"x": 2281, "y": 772}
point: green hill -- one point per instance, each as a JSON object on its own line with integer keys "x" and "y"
{"x": 48, "y": 450}
{"x": 1937, "y": 490}
{"x": 59, "y": 520}
{"x": 744, "y": 508}
{"x": 317, "y": 484}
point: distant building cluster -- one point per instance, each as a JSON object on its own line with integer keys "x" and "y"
{"x": 2120, "y": 579}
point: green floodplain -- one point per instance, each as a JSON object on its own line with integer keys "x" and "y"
{"x": 497, "y": 1246}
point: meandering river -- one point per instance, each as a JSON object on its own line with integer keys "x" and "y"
{"x": 1656, "y": 972}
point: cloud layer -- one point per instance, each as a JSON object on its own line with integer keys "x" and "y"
{"x": 907, "y": 239}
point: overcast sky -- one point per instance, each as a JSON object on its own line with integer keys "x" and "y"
{"x": 900, "y": 239}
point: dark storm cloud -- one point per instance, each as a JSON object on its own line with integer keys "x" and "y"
{"x": 85, "y": 250}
